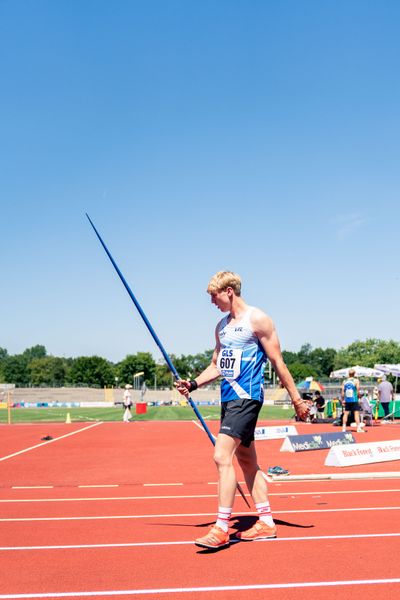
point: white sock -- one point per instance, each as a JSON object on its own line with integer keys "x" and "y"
{"x": 224, "y": 514}
{"x": 264, "y": 513}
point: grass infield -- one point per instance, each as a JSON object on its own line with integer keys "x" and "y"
{"x": 154, "y": 413}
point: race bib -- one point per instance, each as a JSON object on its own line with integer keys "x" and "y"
{"x": 349, "y": 393}
{"x": 228, "y": 362}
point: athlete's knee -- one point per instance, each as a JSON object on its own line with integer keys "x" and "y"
{"x": 222, "y": 459}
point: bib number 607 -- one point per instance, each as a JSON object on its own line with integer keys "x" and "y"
{"x": 227, "y": 362}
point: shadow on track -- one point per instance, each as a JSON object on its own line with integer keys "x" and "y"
{"x": 243, "y": 523}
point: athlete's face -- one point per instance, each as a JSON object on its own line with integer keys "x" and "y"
{"x": 222, "y": 299}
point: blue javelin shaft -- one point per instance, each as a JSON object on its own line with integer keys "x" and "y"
{"x": 159, "y": 344}
{"x": 153, "y": 333}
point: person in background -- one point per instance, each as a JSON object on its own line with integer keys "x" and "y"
{"x": 320, "y": 405}
{"x": 366, "y": 408}
{"x": 127, "y": 403}
{"x": 312, "y": 415}
{"x": 385, "y": 395}
{"x": 350, "y": 396}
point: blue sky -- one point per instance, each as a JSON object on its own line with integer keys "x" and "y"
{"x": 261, "y": 137}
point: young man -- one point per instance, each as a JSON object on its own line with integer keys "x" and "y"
{"x": 244, "y": 339}
{"x": 350, "y": 396}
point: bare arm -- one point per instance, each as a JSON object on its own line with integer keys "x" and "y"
{"x": 209, "y": 374}
{"x": 266, "y": 333}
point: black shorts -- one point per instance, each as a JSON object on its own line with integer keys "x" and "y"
{"x": 351, "y": 406}
{"x": 239, "y": 419}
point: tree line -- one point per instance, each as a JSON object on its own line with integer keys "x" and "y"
{"x": 36, "y": 368}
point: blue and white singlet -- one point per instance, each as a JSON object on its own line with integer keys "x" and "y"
{"x": 241, "y": 360}
{"x": 350, "y": 390}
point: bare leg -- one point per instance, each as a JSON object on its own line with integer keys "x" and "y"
{"x": 256, "y": 483}
{"x": 225, "y": 448}
{"x": 265, "y": 527}
{"x": 218, "y": 536}
{"x": 357, "y": 420}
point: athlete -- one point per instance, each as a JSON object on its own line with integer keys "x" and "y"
{"x": 244, "y": 340}
{"x": 350, "y": 396}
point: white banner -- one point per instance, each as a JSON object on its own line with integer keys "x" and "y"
{"x": 274, "y": 433}
{"x": 361, "y": 454}
{"x": 96, "y": 404}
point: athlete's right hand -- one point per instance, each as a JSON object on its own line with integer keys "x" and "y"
{"x": 183, "y": 386}
{"x": 302, "y": 409}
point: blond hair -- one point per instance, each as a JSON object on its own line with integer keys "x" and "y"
{"x": 224, "y": 279}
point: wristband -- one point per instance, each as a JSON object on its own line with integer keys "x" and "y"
{"x": 193, "y": 385}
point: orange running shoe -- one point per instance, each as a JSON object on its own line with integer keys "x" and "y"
{"x": 215, "y": 538}
{"x": 259, "y": 531}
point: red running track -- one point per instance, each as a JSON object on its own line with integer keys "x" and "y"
{"x": 111, "y": 510}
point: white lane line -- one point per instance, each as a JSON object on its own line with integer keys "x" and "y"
{"x": 333, "y": 492}
{"x": 32, "y": 487}
{"x": 290, "y": 494}
{"x": 216, "y": 483}
{"x": 95, "y": 499}
{"x": 61, "y": 437}
{"x": 184, "y": 542}
{"x": 200, "y": 427}
{"x": 100, "y": 485}
{"x": 312, "y": 477}
{"x": 222, "y": 588}
{"x": 111, "y": 517}
{"x": 207, "y": 514}
{"x": 160, "y": 484}
{"x": 175, "y": 497}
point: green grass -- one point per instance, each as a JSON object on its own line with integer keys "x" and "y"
{"x": 154, "y": 413}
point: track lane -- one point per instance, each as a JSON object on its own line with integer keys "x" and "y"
{"x": 116, "y": 489}
{"x": 163, "y": 504}
{"x": 373, "y": 589}
{"x": 99, "y": 569}
{"x": 187, "y": 528}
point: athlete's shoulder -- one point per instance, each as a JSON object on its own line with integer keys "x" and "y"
{"x": 261, "y": 322}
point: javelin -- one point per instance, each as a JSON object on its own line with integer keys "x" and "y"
{"x": 159, "y": 344}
